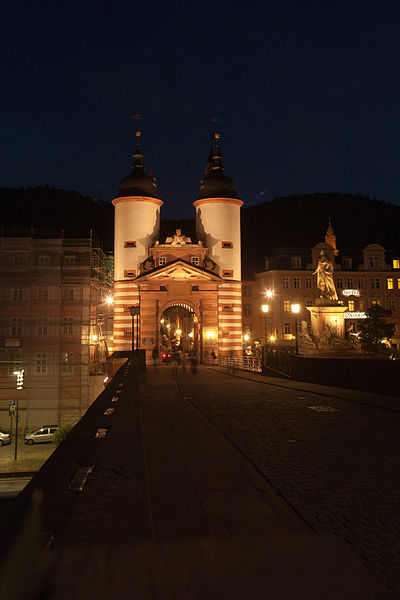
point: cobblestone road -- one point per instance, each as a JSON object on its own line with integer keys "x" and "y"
{"x": 335, "y": 462}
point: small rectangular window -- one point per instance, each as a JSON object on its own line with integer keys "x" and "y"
{"x": 68, "y": 294}
{"x": 226, "y": 244}
{"x": 44, "y": 261}
{"x": 339, "y": 283}
{"x": 16, "y": 326}
{"x": 350, "y": 283}
{"x": 247, "y": 310}
{"x": 296, "y": 262}
{"x": 195, "y": 288}
{"x": 296, "y": 282}
{"x": 43, "y": 294}
{"x": 308, "y": 283}
{"x": 68, "y": 326}
{"x": 130, "y": 244}
{"x": 227, "y": 273}
{"x": 286, "y": 328}
{"x": 392, "y": 306}
{"x": 42, "y": 326}
{"x": 69, "y": 261}
{"x": 130, "y": 273}
{"x": 285, "y": 283}
{"x": 195, "y": 260}
{"x": 361, "y": 283}
{"x": 163, "y": 288}
{"x": 225, "y": 334}
{"x": 347, "y": 263}
{"x": 390, "y": 283}
{"x": 162, "y": 260}
{"x": 18, "y": 294}
{"x": 227, "y": 308}
{"x": 41, "y": 363}
{"x": 128, "y": 332}
{"x": 18, "y": 260}
{"x": 247, "y": 291}
{"x": 286, "y": 305}
{"x": 351, "y": 305}
{"x": 396, "y": 263}
{"x": 309, "y": 302}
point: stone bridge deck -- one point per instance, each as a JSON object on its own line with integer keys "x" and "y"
{"x": 148, "y": 499}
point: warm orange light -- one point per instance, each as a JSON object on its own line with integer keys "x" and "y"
{"x": 269, "y": 293}
{"x": 265, "y": 308}
{"x": 295, "y": 308}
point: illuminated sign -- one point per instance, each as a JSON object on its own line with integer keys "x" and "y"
{"x": 355, "y": 315}
{"x": 351, "y": 292}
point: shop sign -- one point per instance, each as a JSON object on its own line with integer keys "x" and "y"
{"x": 351, "y": 292}
{"x": 355, "y": 315}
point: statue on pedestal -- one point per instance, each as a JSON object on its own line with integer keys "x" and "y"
{"x": 324, "y": 273}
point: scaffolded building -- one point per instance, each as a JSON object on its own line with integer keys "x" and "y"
{"x": 55, "y": 324}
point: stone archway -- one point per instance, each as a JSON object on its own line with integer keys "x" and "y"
{"x": 179, "y": 327}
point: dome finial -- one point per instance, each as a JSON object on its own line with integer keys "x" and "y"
{"x": 138, "y": 154}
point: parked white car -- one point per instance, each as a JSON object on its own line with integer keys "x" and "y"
{"x": 41, "y": 435}
{"x": 5, "y": 437}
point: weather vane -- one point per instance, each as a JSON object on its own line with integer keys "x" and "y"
{"x": 137, "y": 116}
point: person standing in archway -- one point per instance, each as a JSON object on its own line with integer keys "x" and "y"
{"x": 193, "y": 361}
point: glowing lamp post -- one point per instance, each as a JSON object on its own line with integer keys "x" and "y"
{"x": 265, "y": 309}
{"x": 135, "y": 311}
{"x": 20, "y": 385}
{"x": 295, "y": 311}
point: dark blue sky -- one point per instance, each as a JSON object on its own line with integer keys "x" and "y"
{"x": 308, "y": 94}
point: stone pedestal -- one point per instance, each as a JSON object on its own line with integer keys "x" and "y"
{"x": 330, "y": 314}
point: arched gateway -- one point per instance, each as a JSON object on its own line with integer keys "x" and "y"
{"x": 168, "y": 279}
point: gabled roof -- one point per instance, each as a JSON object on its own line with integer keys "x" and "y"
{"x": 179, "y": 269}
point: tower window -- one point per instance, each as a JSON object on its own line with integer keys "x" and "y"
{"x": 226, "y": 244}
{"x": 195, "y": 288}
{"x": 130, "y": 273}
{"x": 195, "y": 260}
{"x": 163, "y": 288}
{"x": 130, "y": 244}
{"x": 162, "y": 260}
{"x": 227, "y": 308}
{"x": 227, "y": 273}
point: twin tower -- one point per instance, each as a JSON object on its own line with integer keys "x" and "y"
{"x": 204, "y": 276}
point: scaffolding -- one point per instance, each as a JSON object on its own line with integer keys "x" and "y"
{"x": 55, "y": 323}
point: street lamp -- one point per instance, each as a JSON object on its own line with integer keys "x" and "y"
{"x": 20, "y": 385}
{"x": 135, "y": 310}
{"x": 265, "y": 309}
{"x": 295, "y": 310}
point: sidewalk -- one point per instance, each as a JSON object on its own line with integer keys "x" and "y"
{"x": 391, "y": 403}
{"x": 220, "y": 528}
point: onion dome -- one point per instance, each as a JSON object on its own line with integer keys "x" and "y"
{"x": 138, "y": 183}
{"x": 216, "y": 184}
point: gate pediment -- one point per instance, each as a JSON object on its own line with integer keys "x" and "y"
{"x": 179, "y": 270}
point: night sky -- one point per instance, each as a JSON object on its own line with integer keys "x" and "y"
{"x": 308, "y": 95}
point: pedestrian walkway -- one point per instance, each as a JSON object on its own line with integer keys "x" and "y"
{"x": 169, "y": 510}
{"x": 221, "y": 529}
{"x": 370, "y": 398}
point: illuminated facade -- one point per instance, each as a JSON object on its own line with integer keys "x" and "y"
{"x": 188, "y": 292}
{"x": 363, "y": 278}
